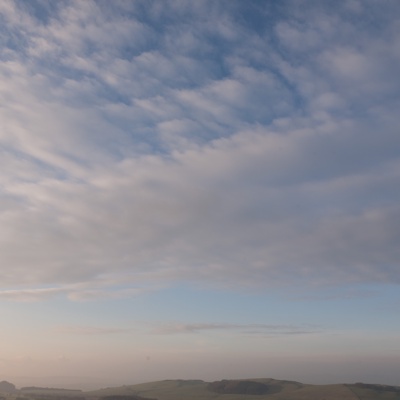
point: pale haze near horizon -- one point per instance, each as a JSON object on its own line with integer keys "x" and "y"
{"x": 199, "y": 190}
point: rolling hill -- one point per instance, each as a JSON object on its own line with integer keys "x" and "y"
{"x": 239, "y": 389}
{"x": 251, "y": 389}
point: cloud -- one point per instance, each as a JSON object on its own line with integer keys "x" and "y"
{"x": 243, "y": 329}
{"x": 109, "y": 293}
{"x": 109, "y": 287}
{"x": 89, "y": 330}
{"x": 237, "y": 158}
{"x": 30, "y": 295}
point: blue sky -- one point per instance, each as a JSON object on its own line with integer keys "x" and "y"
{"x": 202, "y": 189}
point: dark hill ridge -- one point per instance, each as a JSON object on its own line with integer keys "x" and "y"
{"x": 125, "y": 397}
{"x": 240, "y": 387}
{"x": 378, "y": 388}
{"x": 45, "y": 389}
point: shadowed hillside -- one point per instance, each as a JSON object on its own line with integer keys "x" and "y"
{"x": 124, "y": 397}
{"x": 241, "y": 387}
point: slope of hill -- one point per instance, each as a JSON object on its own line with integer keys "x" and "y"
{"x": 251, "y": 389}
{"x": 7, "y": 387}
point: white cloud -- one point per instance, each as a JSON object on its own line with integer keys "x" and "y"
{"x": 30, "y": 295}
{"x": 200, "y": 151}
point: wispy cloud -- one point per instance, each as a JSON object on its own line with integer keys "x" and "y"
{"x": 184, "y": 143}
{"x": 105, "y": 288}
{"x": 30, "y": 295}
{"x": 90, "y": 330}
{"x": 243, "y": 329}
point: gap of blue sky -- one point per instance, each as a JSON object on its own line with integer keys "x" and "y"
{"x": 217, "y": 171}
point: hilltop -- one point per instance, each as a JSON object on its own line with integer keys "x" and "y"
{"x": 7, "y": 387}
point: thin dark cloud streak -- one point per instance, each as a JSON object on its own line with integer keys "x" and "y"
{"x": 90, "y": 330}
{"x": 242, "y": 329}
{"x": 175, "y": 328}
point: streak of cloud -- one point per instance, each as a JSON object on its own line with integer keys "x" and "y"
{"x": 89, "y": 330}
{"x": 243, "y": 329}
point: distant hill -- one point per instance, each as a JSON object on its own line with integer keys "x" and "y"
{"x": 7, "y": 387}
{"x": 236, "y": 389}
{"x": 375, "y": 387}
{"x": 131, "y": 397}
{"x": 248, "y": 389}
{"x": 239, "y": 387}
{"x": 47, "y": 389}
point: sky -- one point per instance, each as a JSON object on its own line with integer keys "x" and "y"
{"x": 199, "y": 190}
